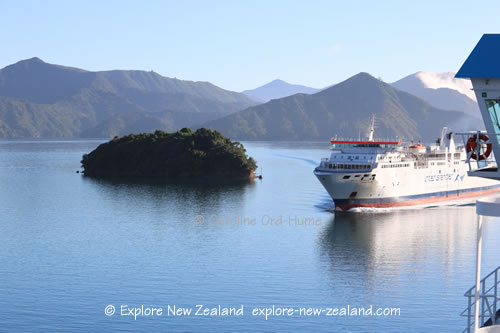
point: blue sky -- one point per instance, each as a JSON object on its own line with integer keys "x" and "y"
{"x": 240, "y": 45}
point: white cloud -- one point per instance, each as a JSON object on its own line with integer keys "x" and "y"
{"x": 446, "y": 80}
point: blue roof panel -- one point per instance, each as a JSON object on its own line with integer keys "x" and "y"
{"x": 484, "y": 60}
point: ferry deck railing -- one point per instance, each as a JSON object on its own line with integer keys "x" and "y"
{"x": 489, "y": 301}
{"x": 421, "y": 161}
{"x": 359, "y": 139}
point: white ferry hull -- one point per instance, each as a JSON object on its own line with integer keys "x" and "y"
{"x": 400, "y": 189}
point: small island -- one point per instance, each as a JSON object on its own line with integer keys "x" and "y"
{"x": 204, "y": 153}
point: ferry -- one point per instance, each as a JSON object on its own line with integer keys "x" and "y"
{"x": 387, "y": 173}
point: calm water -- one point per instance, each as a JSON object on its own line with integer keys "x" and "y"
{"x": 70, "y": 246}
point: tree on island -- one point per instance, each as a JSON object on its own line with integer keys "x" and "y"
{"x": 203, "y": 153}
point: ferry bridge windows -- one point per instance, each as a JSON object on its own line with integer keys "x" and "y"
{"x": 494, "y": 111}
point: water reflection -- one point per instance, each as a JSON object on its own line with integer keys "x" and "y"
{"x": 399, "y": 245}
{"x": 178, "y": 196}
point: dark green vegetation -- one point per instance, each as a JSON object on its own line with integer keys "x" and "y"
{"x": 204, "y": 153}
{"x": 344, "y": 110}
{"x": 38, "y": 99}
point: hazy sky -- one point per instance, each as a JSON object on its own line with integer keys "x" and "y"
{"x": 239, "y": 45}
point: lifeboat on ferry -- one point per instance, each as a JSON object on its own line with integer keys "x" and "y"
{"x": 418, "y": 148}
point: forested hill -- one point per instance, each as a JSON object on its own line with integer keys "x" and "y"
{"x": 345, "y": 110}
{"x": 38, "y": 99}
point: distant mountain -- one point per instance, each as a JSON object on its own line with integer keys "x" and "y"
{"x": 441, "y": 90}
{"x": 38, "y": 99}
{"x": 278, "y": 89}
{"x": 343, "y": 110}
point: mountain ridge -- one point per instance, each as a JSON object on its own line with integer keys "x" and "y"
{"x": 343, "y": 109}
{"x": 277, "y": 89}
{"x": 441, "y": 90}
{"x": 38, "y": 99}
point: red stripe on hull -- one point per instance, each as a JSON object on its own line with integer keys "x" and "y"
{"x": 416, "y": 202}
{"x": 369, "y": 142}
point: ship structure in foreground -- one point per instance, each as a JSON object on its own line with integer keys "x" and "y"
{"x": 483, "y": 69}
{"x": 387, "y": 173}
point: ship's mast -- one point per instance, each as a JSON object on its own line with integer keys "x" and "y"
{"x": 443, "y": 133}
{"x": 372, "y": 128}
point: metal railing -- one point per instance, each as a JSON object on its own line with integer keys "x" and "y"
{"x": 360, "y": 139}
{"x": 488, "y": 301}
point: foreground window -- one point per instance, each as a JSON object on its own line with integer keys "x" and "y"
{"x": 494, "y": 111}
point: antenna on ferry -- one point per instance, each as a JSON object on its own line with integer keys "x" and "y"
{"x": 372, "y": 128}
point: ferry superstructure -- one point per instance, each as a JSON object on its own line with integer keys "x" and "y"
{"x": 379, "y": 174}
